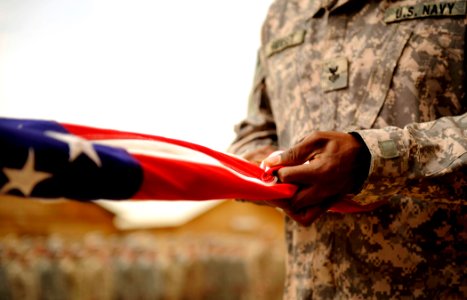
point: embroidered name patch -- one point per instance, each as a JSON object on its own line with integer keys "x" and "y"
{"x": 425, "y": 10}
{"x": 280, "y": 44}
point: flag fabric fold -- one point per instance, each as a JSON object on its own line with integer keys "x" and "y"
{"x": 48, "y": 159}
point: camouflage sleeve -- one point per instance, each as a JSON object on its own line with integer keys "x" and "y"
{"x": 258, "y": 129}
{"x": 427, "y": 160}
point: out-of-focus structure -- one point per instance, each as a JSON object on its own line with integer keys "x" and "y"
{"x": 72, "y": 250}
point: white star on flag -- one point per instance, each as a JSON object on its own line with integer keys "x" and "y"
{"x": 76, "y": 146}
{"x": 24, "y": 179}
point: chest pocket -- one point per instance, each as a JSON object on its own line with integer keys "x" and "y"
{"x": 420, "y": 75}
{"x": 441, "y": 86}
{"x": 381, "y": 75}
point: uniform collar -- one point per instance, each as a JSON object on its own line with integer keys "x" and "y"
{"x": 329, "y": 5}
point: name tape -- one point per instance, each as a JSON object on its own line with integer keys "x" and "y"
{"x": 425, "y": 10}
{"x": 277, "y": 45}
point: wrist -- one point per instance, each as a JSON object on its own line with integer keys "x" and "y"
{"x": 361, "y": 164}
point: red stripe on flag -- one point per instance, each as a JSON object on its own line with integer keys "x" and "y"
{"x": 195, "y": 181}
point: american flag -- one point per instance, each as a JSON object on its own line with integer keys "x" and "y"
{"x": 48, "y": 159}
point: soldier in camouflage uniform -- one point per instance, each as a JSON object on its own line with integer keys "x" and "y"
{"x": 368, "y": 101}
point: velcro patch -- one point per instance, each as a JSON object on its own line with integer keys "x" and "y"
{"x": 388, "y": 149}
{"x": 334, "y": 74}
{"x": 277, "y": 45}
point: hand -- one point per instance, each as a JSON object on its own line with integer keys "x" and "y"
{"x": 257, "y": 156}
{"x": 324, "y": 165}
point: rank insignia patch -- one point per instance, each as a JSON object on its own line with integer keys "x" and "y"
{"x": 334, "y": 74}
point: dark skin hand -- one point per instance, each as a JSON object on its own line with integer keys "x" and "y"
{"x": 322, "y": 165}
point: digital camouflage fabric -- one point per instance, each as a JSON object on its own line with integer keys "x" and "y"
{"x": 395, "y": 73}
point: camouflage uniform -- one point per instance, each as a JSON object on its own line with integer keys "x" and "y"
{"x": 393, "y": 71}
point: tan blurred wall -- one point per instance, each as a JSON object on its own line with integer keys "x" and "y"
{"x": 75, "y": 219}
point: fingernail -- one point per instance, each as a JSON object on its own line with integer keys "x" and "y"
{"x": 273, "y": 160}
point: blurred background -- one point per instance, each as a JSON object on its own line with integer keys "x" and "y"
{"x": 181, "y": 69}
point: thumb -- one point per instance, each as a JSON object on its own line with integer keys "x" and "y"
{"x": 272, "y": 161}
{"x": 290, "y": 157}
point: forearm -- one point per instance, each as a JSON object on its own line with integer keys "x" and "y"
{"x": 258, "y": 129}
{"x": 251, "y": 137}
{"x": 403, "y": 159}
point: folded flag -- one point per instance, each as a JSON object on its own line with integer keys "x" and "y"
{"x": 47, "y": 159}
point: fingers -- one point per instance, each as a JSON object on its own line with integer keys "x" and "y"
{"x": 272, "y": 161}
{"x": 308, "y": 173}
{"x": 292, "y": 156}
{"x": 284, "y": 204}
{"x": 300, "y": 210}
{"x": 296, "y": 155}
{"x": 303, "y": 199}
{"x": 310, "y": 196}
{"x": 307, "y": 216}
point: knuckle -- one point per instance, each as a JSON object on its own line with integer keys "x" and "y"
{"x": 315, "y": 135}
{"x": 289, "y": 156}
{"x": 285, "y": 175}
{"x": 294, "y": 155}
